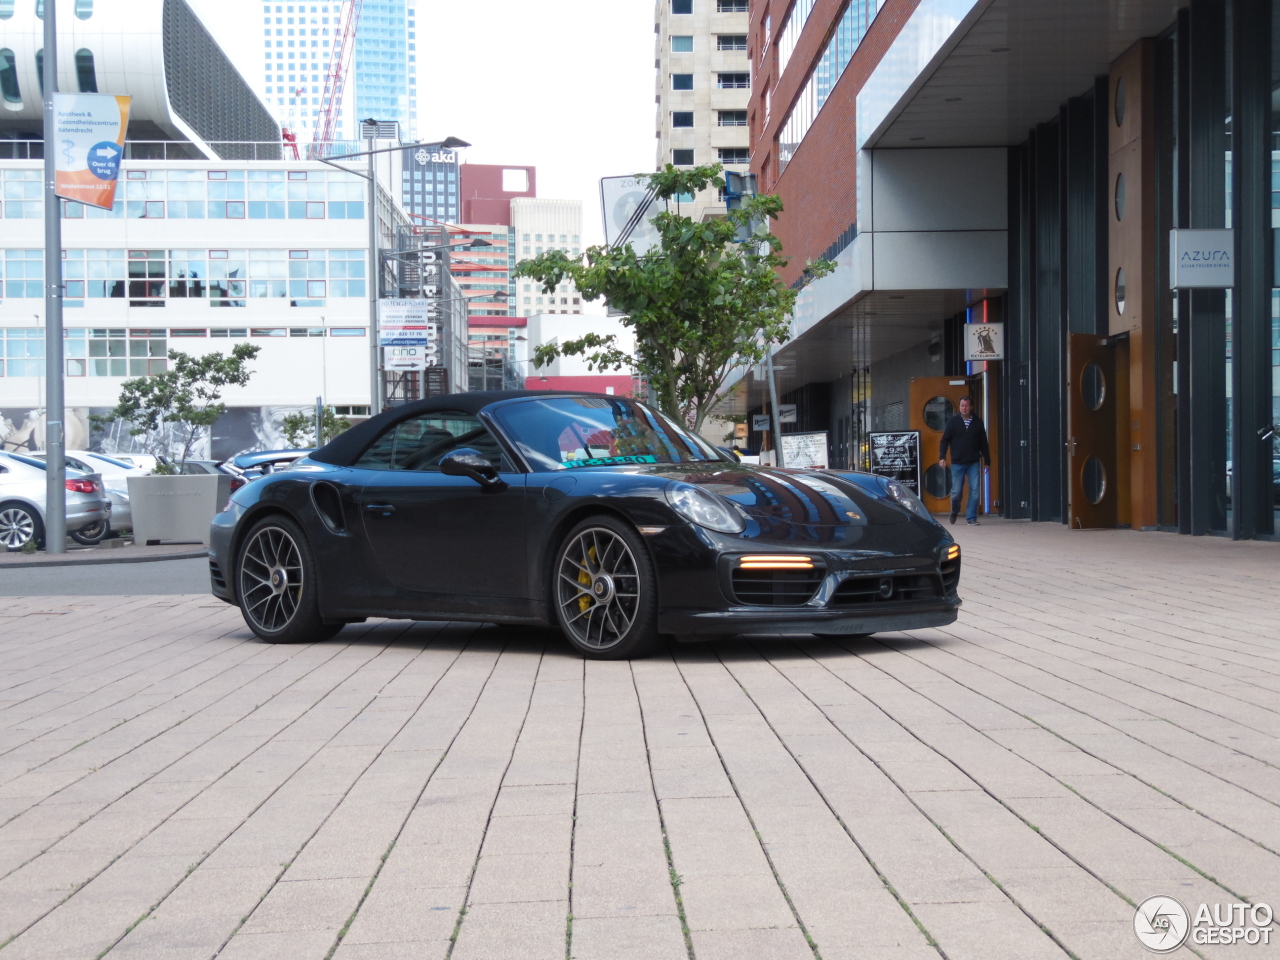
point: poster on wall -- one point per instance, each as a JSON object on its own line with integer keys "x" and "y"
{"x": 983, "y": 341}
{"x": 896, "y": 455}
{"x": 90, "y": 129}
{"x": 805, "y": 450}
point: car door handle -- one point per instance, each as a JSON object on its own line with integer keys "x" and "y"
{"x": 386, "y": 509}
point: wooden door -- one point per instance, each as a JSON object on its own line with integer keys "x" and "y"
{"x": 1094, "y": 480}
{"x": 934, "y": 401}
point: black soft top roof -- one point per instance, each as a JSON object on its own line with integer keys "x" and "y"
{"x": 347, "y": 447}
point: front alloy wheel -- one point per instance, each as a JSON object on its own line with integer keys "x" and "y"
{"x": 605, "y": 591}
{"x": 19, "y": 525}
{"x": 276, "y": 585}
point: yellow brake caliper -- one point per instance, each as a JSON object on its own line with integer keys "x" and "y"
{"x": 584, "y": 578}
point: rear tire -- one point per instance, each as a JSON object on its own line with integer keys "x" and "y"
{"x": 93, "y": 534}
{"x": 276, "y": 584}
{"x": 19, "y": 525}
{"x": 604, "y": 590}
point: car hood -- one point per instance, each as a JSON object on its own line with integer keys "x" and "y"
{"x": 792, "y": 504}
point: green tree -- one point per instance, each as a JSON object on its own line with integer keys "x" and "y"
{"x": 300, "y": 428}
{"x": 700, "y": 303}
{"x": 171, "y": 408}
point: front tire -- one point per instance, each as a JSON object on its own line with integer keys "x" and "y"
{"x": 19, "y": 525}
{"x": 276, "y": 584}
{"x": 604, "y": 591}
{"x": 93, "y": 534}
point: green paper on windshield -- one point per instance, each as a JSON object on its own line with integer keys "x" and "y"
{"x": 609, "y": 461}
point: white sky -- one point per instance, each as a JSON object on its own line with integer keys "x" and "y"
{"x": 564, "y": 85}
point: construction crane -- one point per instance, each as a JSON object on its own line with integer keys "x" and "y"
{"x": 289, "y": 134}
{"x": 335, "y": 76}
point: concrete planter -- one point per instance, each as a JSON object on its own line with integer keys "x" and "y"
{"x": 176, "y": 508}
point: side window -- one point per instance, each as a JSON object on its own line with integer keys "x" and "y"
{"x": 422, "y": 442}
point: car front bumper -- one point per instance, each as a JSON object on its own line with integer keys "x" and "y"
{"x": 221, "y": 533}
{"x": 712, "y": 623}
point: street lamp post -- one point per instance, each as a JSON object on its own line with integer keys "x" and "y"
{"x": 372, "y": 128}
{"x": 55, "y": 501}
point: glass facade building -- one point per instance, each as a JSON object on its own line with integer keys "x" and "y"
{"x": 384, "y": 69}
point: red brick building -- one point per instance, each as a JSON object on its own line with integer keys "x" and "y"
{"x": 1002, "y": 186}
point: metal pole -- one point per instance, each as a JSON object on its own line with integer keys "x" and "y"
{"x": 375, "y": 281}
{"x": 55, "y": 502}
{"x": 773, "y": 404}
{"x": 319, "y": 421}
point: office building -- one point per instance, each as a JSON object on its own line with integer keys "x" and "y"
{"x": 483, "y": 272}
{"x": 384, "y": 69}
{"x": 542, "y": 225}
{"x": 429, "y": 183}
{"x": 381, "y": 77}
{"x": 486, "y": 191}
{"x": 703, "y": 90}
{"x": 1091, "y": 184}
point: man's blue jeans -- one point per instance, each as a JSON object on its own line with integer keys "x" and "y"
{"x": 960, "y": 472}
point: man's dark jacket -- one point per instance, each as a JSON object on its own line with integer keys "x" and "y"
{"x": 967, "y": 445}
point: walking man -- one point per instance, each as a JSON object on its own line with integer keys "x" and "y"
{"x": 966, "y": 435}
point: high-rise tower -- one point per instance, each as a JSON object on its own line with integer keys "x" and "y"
{"x": 704, "y": 89}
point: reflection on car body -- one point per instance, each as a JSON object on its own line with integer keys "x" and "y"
{"x": 593, "y": 513}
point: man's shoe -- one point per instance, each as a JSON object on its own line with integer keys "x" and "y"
{"x": 953, "y": 517}
{"x": 973, "y": 523}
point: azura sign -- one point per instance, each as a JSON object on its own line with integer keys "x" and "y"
{"x": 1201, "y": 258}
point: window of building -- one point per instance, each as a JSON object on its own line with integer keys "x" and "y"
{"x": 682, "y": 118}
{"x": 731, "y": 41}
{"x": 682, "y": 6}
{"x": 682, "y": 81}
{"x": 9, "y": 77}
{"x": 733, "y": 81}
{"x": 682, "y": 158}
{"x": 682, "y": 44}
{"x": 86, "y": 76}
{"x": 731, "y": 118}
{"x": 735, "y": 155}
{"x": 731, "y": 6}
{"x": 841, "y": 44}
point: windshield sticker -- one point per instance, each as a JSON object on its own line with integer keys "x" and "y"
{"x": 609, "y": 461}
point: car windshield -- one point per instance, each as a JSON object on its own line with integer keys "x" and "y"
{"x": 564, "y": 433}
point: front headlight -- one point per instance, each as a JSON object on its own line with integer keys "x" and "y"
{"x": 905, "y": 498}
{"x": 705, "y": 509}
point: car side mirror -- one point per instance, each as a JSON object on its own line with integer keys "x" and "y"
{"x": 467, "y": 462}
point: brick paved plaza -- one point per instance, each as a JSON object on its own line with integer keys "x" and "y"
{"x": 1100, "y": 726}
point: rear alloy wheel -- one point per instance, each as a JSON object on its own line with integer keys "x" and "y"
{"x": 276, "y": 585}
{"x": 19, "y": 525}
{"x": 92, "y": 534}
{"x": 605, "y": 592}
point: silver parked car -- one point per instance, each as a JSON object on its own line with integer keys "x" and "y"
{"x": 115, "y": 479}
{"x": 22, "y": 503}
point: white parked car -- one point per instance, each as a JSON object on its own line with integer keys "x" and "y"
{"x": 22, "y": 503}
{"x": 115, "y": 475}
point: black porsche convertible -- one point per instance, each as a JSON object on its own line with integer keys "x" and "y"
{"x": 593, "y": 513}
